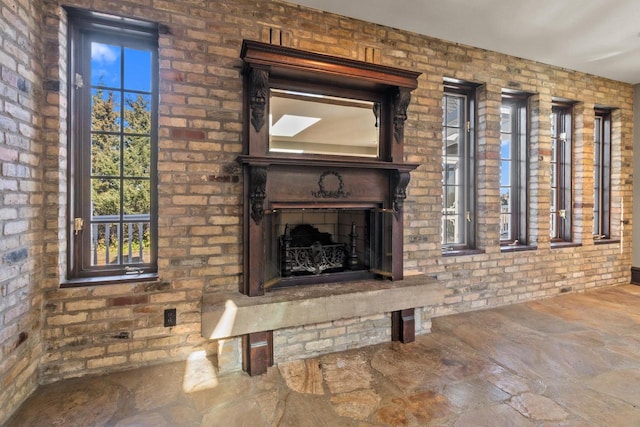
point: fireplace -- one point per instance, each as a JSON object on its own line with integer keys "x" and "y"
{"x": 323, "y": 141}
{"x": 324, "y": 178}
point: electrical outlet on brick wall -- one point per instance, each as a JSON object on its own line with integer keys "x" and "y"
{"x": 170, "y": 317}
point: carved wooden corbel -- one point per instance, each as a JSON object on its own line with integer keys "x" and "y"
{"x": 400, "y": 183}
{"x": 258, "y": 192}
{"x": 401, "y": 102}
{"x": 259, "y": 93}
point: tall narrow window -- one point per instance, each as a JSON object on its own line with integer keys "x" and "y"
{"x": 513, "y": 170}
{"x": 602, "y": 174}
{"x": 458, "y": 178}
{"x": 113, "y": 94}
{"x": 561, "y": 148}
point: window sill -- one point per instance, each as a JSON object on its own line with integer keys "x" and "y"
{"x": 461, "y": 252}
{"x": 555, "y": 245}
{"x": 109, "y": 280}
{"x": 605, "y": 241}
{"x": 518, "y": 248}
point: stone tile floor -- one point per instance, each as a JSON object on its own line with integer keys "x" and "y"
{"x": 573, "y": 360}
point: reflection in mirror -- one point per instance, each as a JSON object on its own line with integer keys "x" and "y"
{"x": 319, "y": 124}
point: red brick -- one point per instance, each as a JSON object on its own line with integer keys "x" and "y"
{"x": 130, "y": 300}
{"x": 187, "y": 134}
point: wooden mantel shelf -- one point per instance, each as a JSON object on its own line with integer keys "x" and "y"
{"x": 284, "y": 61}
{"x": 233, "y": 314}
{"x": 312, "y": 161}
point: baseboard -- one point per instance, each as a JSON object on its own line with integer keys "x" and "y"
{"x": 635, "y": 275}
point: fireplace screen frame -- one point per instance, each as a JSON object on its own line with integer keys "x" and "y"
{"x": 275, "y": 181}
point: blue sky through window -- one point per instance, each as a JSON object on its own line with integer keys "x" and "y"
{"x": 107, "y": 65}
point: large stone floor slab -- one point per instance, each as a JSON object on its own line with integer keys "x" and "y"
{"x": 569, "y": 361}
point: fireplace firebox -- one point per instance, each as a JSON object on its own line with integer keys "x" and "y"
{"x": 311, "y": 245}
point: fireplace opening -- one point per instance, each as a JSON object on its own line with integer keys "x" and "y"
{"x": 320, "y": 245}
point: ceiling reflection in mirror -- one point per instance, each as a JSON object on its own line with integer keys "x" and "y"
{"x": 305, "y": 123}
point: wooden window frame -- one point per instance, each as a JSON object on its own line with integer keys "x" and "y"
{"x": 467, "y": 92}
{"x": 85, "y": 27}
{"x": 562, "y": 112}
{"x": 518, "y": 103}
{"x": 602, "y": 175}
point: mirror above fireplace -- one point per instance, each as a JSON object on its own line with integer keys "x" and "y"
{"x": 310, "y": 123}
{"x": 324, "y": 172}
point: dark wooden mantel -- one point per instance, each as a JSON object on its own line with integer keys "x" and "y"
{"x": 280, "y": 179}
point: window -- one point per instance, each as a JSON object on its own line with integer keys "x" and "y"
{"x": 513, "y": 170}
{"x": 458, "y": 177}
{"x": 602, "y": 174}
{"x": 112, "y": 141}
{"x": 561, "y": 148}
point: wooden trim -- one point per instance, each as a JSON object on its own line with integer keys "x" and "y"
{"x": 462, "y": 252}
{"x": 517, "y": 248}
{"x": 257, "y": 352}
{"x": 635, "y": 275}
{"x": 605, "y": 241}
{"x": 403, "y": 326}
{"x": 283, "y": 60}
{"x": 563, "y": 244}
{"x": 334, "y": 161}
{"x": 109, "y": 280}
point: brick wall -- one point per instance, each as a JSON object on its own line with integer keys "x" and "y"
{"x": 21, "y": 201}
{"x": 98, "y": 329}
{"x": 316, "y": 339}
{"x": 339, "y": 335}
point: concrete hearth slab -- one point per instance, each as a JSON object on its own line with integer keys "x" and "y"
{"x": 233, "y": 314}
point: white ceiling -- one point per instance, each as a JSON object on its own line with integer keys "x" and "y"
{"x": 600, "y": 37}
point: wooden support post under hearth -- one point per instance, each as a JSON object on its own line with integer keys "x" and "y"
{"x": 257, "y": 352}
{"x": 403, "y": 325}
